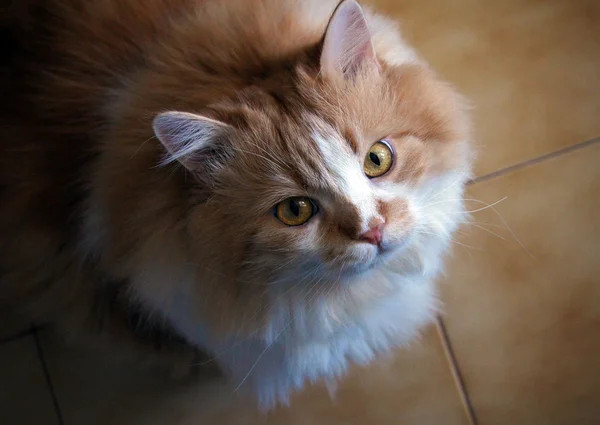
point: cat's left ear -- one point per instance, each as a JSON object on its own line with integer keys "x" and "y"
{"x": 189, "y": 138}
{"x": 347, "y": 47}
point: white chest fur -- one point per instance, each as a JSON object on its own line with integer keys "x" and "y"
{"x": 272, "y": 367}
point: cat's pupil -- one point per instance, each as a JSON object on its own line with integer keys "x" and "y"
{"x": 295, "y": 208}
{"x": 374, "y": 159}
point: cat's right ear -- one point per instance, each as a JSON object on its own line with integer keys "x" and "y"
{"x": 188, "y": 138}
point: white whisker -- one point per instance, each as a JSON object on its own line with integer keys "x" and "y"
{"x": 261, "y": 355}
{"x": 452, "y": 240}
{"x": 487, "y": 230}
{"x": 450, "y": 186}
{"x": 141, "y": 146}
{"x": 512, "y": 233}
{"x": 277, "y": 166}
{"x": 486, "y": 207}
{"x": 506, "y": 226}
{"x": 273, "y": 341}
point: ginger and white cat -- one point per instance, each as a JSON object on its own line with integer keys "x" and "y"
{"x": 271, "y": 182}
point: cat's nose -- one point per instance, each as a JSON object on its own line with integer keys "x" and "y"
{"x": 373, "y": 236}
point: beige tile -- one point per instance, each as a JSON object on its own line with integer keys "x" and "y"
{"x": 526, "y": 328}
{"x": 24, "y": 395}
{"x": 413, "y": 388}
{"x": 530, "y": 66}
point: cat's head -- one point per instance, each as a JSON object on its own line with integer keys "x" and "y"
{"x": 336, "y": 166}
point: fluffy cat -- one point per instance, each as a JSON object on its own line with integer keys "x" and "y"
{"x": 271, "y": 182}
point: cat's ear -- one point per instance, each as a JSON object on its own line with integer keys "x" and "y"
{"x": 189, "y": 138}
{"x": 347, "y": 46}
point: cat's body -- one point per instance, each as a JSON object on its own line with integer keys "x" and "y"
{"x": 101, "y": 233}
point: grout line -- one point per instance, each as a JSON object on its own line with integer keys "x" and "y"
{"x": 441, "y": 327}
{"x": 533, "y": 161}
{"x": 22, "y": 333}
{"x": 15, "y": 336}
{"x": 47, "y": 375}
{"x": 455, "y": 370}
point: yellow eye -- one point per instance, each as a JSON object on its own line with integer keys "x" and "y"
{"x": 295, "y": 211}
{"x": 379, "y": 160}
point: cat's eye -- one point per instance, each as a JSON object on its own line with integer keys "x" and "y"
{"x": 379, "y": 160}
{"x": 295, "y": 211}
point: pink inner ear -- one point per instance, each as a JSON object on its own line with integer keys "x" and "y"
{"x": 347, "y": 46}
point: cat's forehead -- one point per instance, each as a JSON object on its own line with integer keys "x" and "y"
{"x": 305, "y": 155}
{"x": 322, "y": 158}
{"x": 310, "y": 137}
{"x": 340, "y": 160}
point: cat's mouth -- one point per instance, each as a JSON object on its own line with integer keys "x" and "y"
{"x": 376, "y": 259}
{"x": 380, "y": 255}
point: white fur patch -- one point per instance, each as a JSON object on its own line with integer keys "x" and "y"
{"x": 273, "y": 368}
{"x": 274, "y": 371}
{"x": 347, "y": 172}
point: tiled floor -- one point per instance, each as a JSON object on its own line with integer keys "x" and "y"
{"x": 522, "y": 291}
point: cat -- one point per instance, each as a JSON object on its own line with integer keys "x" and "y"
{"x": 273, "y": 183}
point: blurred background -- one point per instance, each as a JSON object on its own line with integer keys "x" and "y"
{"x": 519, "y": 338}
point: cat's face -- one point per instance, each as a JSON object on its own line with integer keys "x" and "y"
{"x": 327, "y": 173}
{"x": 336, "y": 181}
{"x": 327, "y": 199}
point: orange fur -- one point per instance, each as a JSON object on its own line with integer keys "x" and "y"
{"x": 85, "y": 209}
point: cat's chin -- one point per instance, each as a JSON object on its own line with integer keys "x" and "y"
{"x": 358, "y": 268}
{"x": 348, "y": 273}
{"x": 382, "y": 254}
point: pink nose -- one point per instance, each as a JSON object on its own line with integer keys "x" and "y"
{"x": 373, "y": 236}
